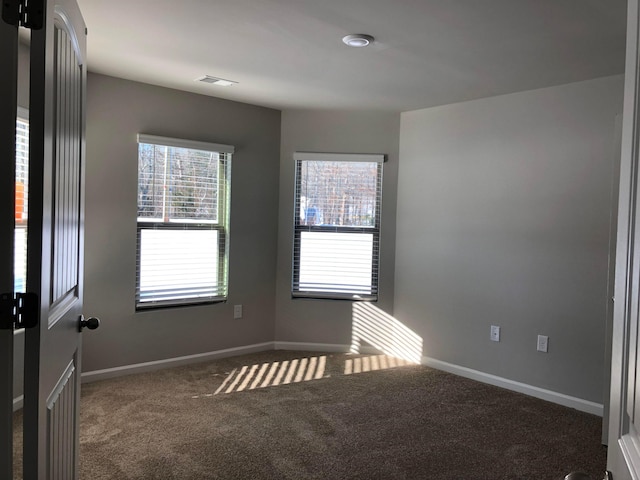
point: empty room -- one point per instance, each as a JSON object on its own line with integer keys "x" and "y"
{"x": 294, "y": 239}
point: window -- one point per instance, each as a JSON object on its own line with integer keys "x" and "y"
{"x": 337, "y": 225}
{"x": 22, "y": 179}
{"x": 183, "y": 221}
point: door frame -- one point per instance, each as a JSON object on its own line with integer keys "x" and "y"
{"x": 623, "y": 455}
{"x": 8, "y": 113}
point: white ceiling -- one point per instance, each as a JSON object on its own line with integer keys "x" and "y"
{"x": 289, "y": 53}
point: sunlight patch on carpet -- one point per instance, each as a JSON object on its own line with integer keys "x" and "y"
{"x": 250, "y": 377}
{"x": 373, "y": 363}
{"x": 305, "y": 369}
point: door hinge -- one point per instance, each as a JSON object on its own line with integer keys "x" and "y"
{"x": 18, "y": 310}
{"x": 23, "y": 13}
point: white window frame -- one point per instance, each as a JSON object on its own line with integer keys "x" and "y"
{"x": 218, "y": 230}
{"x": 300, "y": 289}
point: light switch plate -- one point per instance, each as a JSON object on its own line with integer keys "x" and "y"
{"x": 495, "y": 333}
{"x": 543, "y": 343}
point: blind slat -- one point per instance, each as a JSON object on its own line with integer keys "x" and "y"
{"x": 183, "y": 143}
{"x": 339, "y": 157}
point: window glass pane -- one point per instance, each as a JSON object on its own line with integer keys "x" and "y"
{"x": 338, "y": 193}
{"x": 178, "y": 264}
{"x": 20, "y": 260}
{"x": 178, "y": 183}
{"x": 336, "y": 262}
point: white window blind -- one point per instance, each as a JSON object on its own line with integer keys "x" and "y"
{"x": 183, "y": 221}
{"x": 337, "y": 225}
{"x": 21, "y": 201}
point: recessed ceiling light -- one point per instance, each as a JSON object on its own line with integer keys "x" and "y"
{"x": 221, "y": 82}
{"x": 357, "y": 40}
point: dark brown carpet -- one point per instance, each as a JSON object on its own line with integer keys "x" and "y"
{"x": 329, "y": 422}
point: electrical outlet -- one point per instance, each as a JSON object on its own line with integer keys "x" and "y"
{"x": 495, "y": 333}
{"x": 543, "y": 343}
{"x": 237, "y": 311}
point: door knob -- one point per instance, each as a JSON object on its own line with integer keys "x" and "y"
{"x": 91, "y": 323}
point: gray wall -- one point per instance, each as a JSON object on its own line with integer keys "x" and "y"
{"x": 18, "y": 364}
{"x": 116, "y": 111}
{"x": 330, "y": 321}
{"x": 23, "y": 76}
{"x": 503, "y": 219}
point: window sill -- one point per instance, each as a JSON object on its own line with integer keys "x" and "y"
{"x": 192, "y": 303}
{"x": 333, "y": 296}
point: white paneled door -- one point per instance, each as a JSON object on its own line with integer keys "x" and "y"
{"x": 55, "y": 238}
{"x": 55, "y": 242}
{"x": 624, "y": 423}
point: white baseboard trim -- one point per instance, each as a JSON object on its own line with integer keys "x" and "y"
{"x": 322, "y": 347}
{"x": 549, "y": 395}
{"x": 95, "y": 375}
{"x": 311, "y": 347}
{"x": 104, "y": 374}
{"x": 537, "y": 392}
{"x": 18, "y": 403}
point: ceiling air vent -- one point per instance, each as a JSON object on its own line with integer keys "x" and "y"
{"x": 215, "y": 81}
